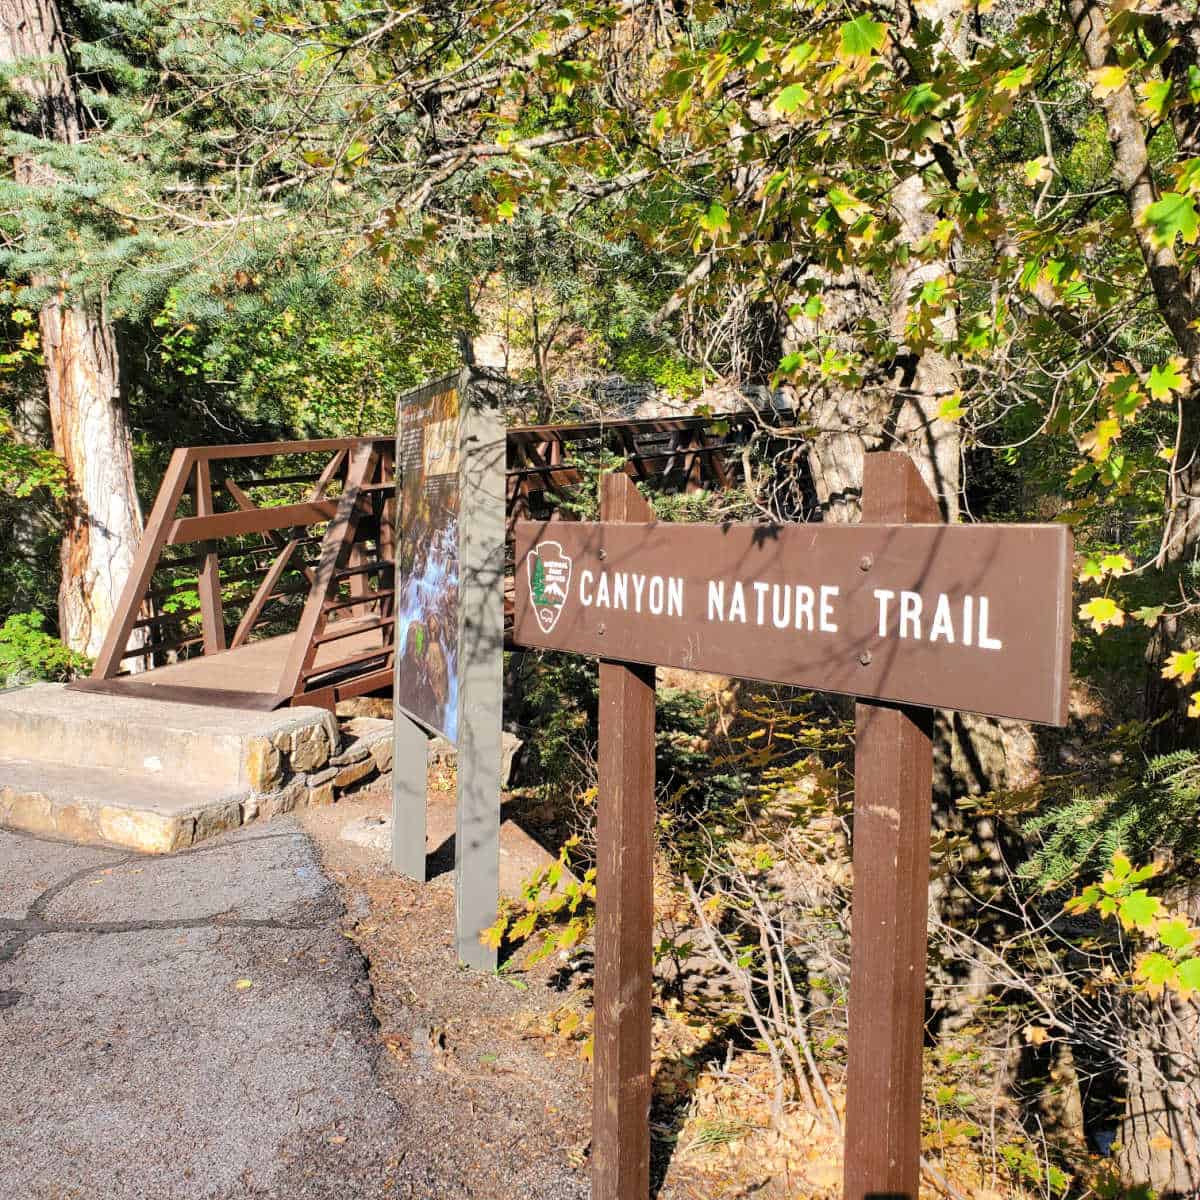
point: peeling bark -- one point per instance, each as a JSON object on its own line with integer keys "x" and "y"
{"x": 87, "y": 417}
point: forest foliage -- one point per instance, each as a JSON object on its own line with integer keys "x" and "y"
{"x": 968, "y": 231}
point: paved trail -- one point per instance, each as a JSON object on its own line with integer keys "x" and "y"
{"x": 131, "y": 1063}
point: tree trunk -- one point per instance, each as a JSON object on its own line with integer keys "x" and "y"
{"x": 87, "y": 418}
{"x": 1160, "y": 1135}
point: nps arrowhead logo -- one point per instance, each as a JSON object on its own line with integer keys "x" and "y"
{"x": 549, "y": 571}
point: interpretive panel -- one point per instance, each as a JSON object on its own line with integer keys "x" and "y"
{"x": 427, "y": 461}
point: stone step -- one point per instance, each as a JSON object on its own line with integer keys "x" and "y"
{"x": 223, "y": 750}
{"x": 109, "y": 806}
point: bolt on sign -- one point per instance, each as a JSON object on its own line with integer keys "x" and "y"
{"x": 902, "y": 612}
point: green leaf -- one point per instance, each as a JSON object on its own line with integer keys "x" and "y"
{"x": 794, "y": 96}
{"x": 1172, "y": 216}
{"x": 951, "y": 408}
{"x": 1101, "y": 612}
{"x": 1176, "y": 934}
{"x": 1156, "y": 94}
{"x": 1181, "y": 665}
{"x": 716, "y": 219}
{"x": 1189, "y": 976}
{"x": 1015, "y": 79}
{"x": 1149, "y": 614}
{"x": 862, "y": 37}
{"x": 1167, "y": 378}
{"x": 1154, "y": 972}
{"x": 920, "y": 100}
{"x": 1139, "y": 910}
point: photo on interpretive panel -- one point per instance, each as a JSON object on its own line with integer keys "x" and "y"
{"x": 427, "y": 439}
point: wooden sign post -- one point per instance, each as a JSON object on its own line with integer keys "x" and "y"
{"x": 893, "y": 788}
{"x": 903, "y": 612}
{"x": 624, "y": 905}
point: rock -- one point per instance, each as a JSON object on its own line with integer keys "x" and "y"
{"x": 155, "y": 833}
{"x": 282, "y": 801}
{"x": 321, "y": 795}
{"x": 354, "y": 753}
{"x": 212, "y": 821}
{"x": 510, "y": 747}
{"x": 354, "y": 772}
{"x": 310, "y": 748}
{"x": 365, "y": 727}
{"x": 443, "y": 754}
{"x": 381, "y": 752}
{"x": 323, "y": 776}
{"x": 365, "y": 706}
{"x": 264, "y": 766}
{"x": 372, "y": 833}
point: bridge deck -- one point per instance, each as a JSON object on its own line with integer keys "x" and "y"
{"x": 238, "y": 678}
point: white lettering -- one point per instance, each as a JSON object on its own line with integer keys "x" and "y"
{"x": 602, "y": 591}
{"x": 986, "y": 642}
{"x": 781, "y": 615}
{"x": 639, "y": 582}
{"x": 620, "y": 590}
{"x": 737, "y": 603}
{"x": 942, "y": 626}
{"x": 675, "y": 596}
{"x": 968, "y": 625}
{"x": 656, "y": 594}
{"x": 827, "y": 595}
{"x": 884, "y": 597}
{"x": 716, "y": 599}
{"x": 761, "y": 589}
{"x": 585, "y": 581}
{"x": 910, "y": 614}
{"x": 804, "y": 606}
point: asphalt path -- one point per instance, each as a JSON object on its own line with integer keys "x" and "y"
{"x": 191, "y": 1025}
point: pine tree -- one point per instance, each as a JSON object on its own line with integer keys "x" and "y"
{"x": 537, "y": 584}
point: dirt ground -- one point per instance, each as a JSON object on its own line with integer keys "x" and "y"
{"x": 504, "y": 1098}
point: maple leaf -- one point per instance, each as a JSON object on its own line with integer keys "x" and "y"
{"x": 1154, "y": 972}
{"x": 1098, "y": 443}
{"x": 1189, "y": 976}
{"x": 1106, "y": 80}
{"x": 1171, "y": 216}
{"x": 1102, "y": 612}
{"x": 1181, "y": 665}
{"x": 1167, "y": 378}
{"x": 1139, "y": 910}
{"x": 861, "y": 38}
{"x": 1037, "y": 170}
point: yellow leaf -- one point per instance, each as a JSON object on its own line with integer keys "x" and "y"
{"x": 1107, "y": 80}
{"x": 1102, "y": 612}
{"x": 1181, "y": 665}
{"x": 1037, "y": 170}
{"x": 1194, "y": 706}
{"x": 1099, "y": 441}
{"x": 1036, "y": 1035}
{"x": 243, "y": 984}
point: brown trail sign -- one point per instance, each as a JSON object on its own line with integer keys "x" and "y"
{"x": 899, "y": 613}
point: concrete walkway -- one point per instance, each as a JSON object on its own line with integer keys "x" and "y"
{"x": 133, "y": 1064}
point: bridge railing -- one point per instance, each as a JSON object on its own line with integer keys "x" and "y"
{"x": 252, "y": 542}
{"x": 275, "y": 538}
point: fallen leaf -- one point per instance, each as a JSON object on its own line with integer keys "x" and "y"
{"x": 243, "y": 984}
